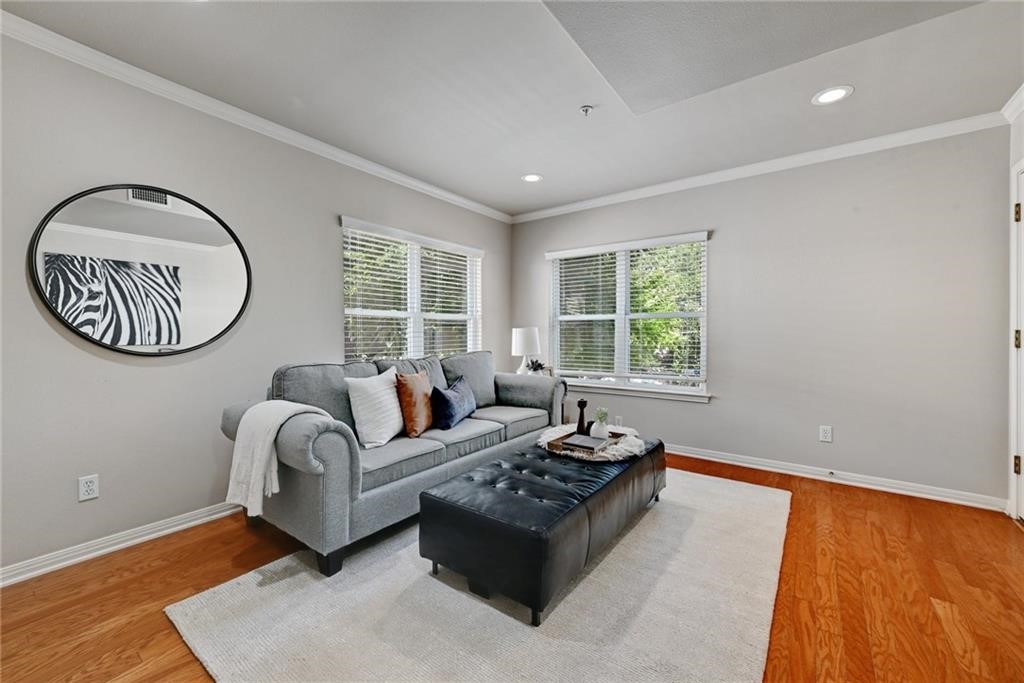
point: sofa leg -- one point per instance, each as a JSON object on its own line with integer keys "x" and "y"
{"x": 330, "y": 564}
{"x": 534, "y": 617}
{"x": 657, "y": 497}
{"x": 253, "y": 521}
{"x": 433, "y": 569}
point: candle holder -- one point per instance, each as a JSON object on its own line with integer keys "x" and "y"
{"x": 581, "y": 425}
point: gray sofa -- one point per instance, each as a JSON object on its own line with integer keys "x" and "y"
{"x": 334, "y": 492}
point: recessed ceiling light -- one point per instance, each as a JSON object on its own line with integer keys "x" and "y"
{"x": 532, "y": 178}
{"x": 832, "y": 95}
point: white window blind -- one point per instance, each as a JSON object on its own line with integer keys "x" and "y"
{"x": 634, "y": 315}
{"x": 405, "y": 296}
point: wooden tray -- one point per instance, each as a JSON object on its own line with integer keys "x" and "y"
{"x": 556, "y": 445}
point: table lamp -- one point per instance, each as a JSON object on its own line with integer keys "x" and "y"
{"x": 525, "y": 343}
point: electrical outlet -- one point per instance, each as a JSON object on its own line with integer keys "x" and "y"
{"x": 825, "y": 433}
{"x": 88, "y": 487}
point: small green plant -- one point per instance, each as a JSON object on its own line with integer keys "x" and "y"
{"x": 601, "y": 414}
{"x": 535, "y": 365}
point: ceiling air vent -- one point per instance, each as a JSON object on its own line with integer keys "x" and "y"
{"x": 143, "y": 196}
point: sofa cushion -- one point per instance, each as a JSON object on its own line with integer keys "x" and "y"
{"x": 478, "y": 370}
{"x": 451, "y": 406}
{"x": 517, "y": 421}
{"x": 467, "y": 437}
{"x": 399, "y": 458}
{"x": 410, "y": 366}
{"x": 320, "y": 384}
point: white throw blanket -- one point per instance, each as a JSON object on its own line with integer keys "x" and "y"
{"x": 254, "y": 462}
{"x": 625, "y": 448}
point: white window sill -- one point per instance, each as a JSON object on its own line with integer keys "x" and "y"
{"x": 584, "y": 387}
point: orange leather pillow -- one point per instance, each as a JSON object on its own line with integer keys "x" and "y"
{"x": 414, "y": 399}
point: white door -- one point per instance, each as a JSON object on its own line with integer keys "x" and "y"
{"x": 1017, "y": 440}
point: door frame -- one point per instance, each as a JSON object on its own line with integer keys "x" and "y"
{"x": 1015, "y": 499}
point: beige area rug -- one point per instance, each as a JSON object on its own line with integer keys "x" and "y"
{"x": 685, "y": 594}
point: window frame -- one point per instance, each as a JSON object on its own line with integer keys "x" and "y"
{"x": 414, "y": 315}
{"x": 619, "y": 380}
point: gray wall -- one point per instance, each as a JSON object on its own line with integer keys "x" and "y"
{"x": 149, "y": 427}
{"x": 868, "y": 293}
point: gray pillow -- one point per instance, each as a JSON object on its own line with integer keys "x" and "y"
{"x": 478, "y": 370}
{"x": 410, "y": 366}
{"x": 320, "y": 384}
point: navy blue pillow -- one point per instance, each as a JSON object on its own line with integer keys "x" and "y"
{"x": 452, "y": 405}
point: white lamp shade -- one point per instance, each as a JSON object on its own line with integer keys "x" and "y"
{"x": 525, "y": 341}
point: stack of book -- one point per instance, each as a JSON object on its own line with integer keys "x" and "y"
{"x": 588, "y": 444}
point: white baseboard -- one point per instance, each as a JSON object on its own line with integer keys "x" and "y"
{"x": 108, "y": 544}
{"x": 863, "y": 480}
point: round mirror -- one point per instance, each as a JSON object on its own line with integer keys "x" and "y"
{"x": 139, "y": 269}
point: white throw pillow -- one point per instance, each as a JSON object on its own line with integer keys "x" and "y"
{"x": 375, "y": 408}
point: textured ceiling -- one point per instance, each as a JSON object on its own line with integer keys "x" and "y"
{"x": 470, "y": 96}
{"x": 660, "y": 53}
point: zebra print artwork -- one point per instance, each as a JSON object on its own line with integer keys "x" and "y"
{"x": 120, "y": 303}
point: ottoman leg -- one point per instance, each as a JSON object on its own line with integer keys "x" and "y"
{"x": 534, "y": 617}
{"x": 480, "y": 590}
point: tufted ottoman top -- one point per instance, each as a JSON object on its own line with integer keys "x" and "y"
{"x": 530, "y": 490}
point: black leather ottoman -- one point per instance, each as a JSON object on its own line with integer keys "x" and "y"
{"x": 525, "y": 525}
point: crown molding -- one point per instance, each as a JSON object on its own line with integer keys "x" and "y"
{"x": 1014, "y": 106}
{"x": 850, "y": 149}
{"x": 60, "y": 46}
{"x": 32, "y": 34}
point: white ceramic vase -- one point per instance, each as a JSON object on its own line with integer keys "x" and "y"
{"x": 599, "y": 430}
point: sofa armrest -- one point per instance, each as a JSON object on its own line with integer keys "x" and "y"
{"x": 314, "y": 444}
{"x": 531, "y": 391}
{"x": 232, "y": 417}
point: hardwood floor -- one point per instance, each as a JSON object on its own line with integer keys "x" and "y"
{"x": 877, "y": 586}
{"x": 874, "y": 586}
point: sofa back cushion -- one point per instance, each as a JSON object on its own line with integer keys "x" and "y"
{"x": 410, "y": 366}
{"x": 452, "y": 405}
{"x": 477, "y": 369}
{"x": 320, "y": 384}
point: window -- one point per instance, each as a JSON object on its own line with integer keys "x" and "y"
{"x": 407, "y": 295}
{"x": 633, "y": 315}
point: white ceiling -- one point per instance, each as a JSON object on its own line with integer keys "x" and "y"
{"x": 660, "y": 53}
{"x": 470, "y": 96}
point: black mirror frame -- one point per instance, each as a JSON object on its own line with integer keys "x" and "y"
{"x": 41, "y": 290}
